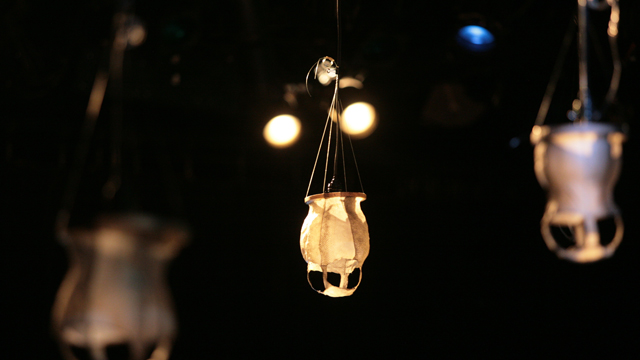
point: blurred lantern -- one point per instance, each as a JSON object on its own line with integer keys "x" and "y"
{"x": 113, "y": 301}
{"x": 114, "y": 297}
{"x": 579, "y": 164}
{"x": 335, "y": 237}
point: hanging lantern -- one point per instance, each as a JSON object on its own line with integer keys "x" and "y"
{"x": 335, "y": 237}
{"x": 114, "y": 298}
{"x": 114, "y": 301}
{"x": 579, "y": 164}
{"x": 335, "y": 242}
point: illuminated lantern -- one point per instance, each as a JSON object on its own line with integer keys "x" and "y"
{"x": 335, "y": 242}
{"x": 114, "y": 298}
{"x": 334, "y": 239}
{"x": 579, "y": 165}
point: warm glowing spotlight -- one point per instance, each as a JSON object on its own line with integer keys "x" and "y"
{"x": 475, "y": 38}
{"x": 282, "y": 131}
{"x": 359, "y": 119}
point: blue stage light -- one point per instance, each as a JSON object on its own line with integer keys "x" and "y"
{"x": 475, "y": 38}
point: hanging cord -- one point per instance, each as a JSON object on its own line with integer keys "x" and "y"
{"x": 555, "y": 75}
{"x": 331, "y": 68}
{"x": 122, "y": 37}
{"x": 586, "y": 107}
{"x": 612, "y": 31}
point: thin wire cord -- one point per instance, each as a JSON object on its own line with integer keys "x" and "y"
{"x": 91, "y": 116}
{"x": 555, "y": 75}
{"x": 326, "y": 164}
{"x": 96, "y": 99}
{"x": 344, "y": 165}
{"x": 612, "y": 31}
{"x": 586, "y": 108}
{"x": 356, "y": 163}
{"x": 315, "y": 164}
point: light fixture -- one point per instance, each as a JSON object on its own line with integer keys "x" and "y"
{"x": 282, "y": 131}
{"x": 475, "y": 38}
{"x": 359, "y": 120}
{"x": 114, "y": 300}
{"x": 334, "y": 239}
{"x": 579, "y": 164}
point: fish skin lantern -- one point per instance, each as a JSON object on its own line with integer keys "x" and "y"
{"x": 579, "y": 166}
{"x": 335, "y": 242}
{"x": 114, "y": 296}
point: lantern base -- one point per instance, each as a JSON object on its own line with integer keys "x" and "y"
{"x": 588, "y": 246}
{"x": 338, "y": 279}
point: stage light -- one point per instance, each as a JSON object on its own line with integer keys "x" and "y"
{"x": 359, "y": 120}
{"x": 282, "y": 131}
{"x": 475, "y": 38}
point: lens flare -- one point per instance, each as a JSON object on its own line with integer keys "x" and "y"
{"x": 282, "y": 131}
{"x": 359, "y": 119}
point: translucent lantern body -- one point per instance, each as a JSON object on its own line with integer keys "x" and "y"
{"x": 114, "y": 294}
{"x": 579, "y": 166}
{"x": 335, "y": 241}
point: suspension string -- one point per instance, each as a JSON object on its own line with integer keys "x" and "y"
{"x": 96, "y": 99}
{"x": 585, "y": 96}
{"x": 329, "y": 117}
{"x": 356, "y": 162}
{"x": 336, "y": 113}
{"x": 612, "y": 31}
{"x": 339, "y": 42}
{"x": 324, "y": 132}
{"x": 344, "y": 166}
{"x": 555, "y": 75}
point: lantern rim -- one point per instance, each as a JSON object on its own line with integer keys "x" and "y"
{"x": 327, "y": 195}
{"x": 541, "y": 132}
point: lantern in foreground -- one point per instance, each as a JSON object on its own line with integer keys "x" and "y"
{"x": 335, "y": 242}
{"x": 114, "y": 298}
{"x": 579, "y": 164}
{"x": 335, "y": 237}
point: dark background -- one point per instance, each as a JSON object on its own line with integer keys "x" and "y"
{"x": 457, "y": 266}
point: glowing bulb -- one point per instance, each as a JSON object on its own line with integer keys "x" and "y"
{"x": 359, "y": 119}
{"x": 282, "y": 131}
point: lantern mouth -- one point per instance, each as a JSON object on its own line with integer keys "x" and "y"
{"x": 549, "y": 132}
{"x": 166, "y": 237}
{"x": 327, "y": 195}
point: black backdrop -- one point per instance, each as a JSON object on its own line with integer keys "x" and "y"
{"x": 457, "y": 264}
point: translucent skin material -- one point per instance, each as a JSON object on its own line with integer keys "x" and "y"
{"x": 115, "y": 292}
{"x": 579, "y": 166}
{"x": 335, "y": 240}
